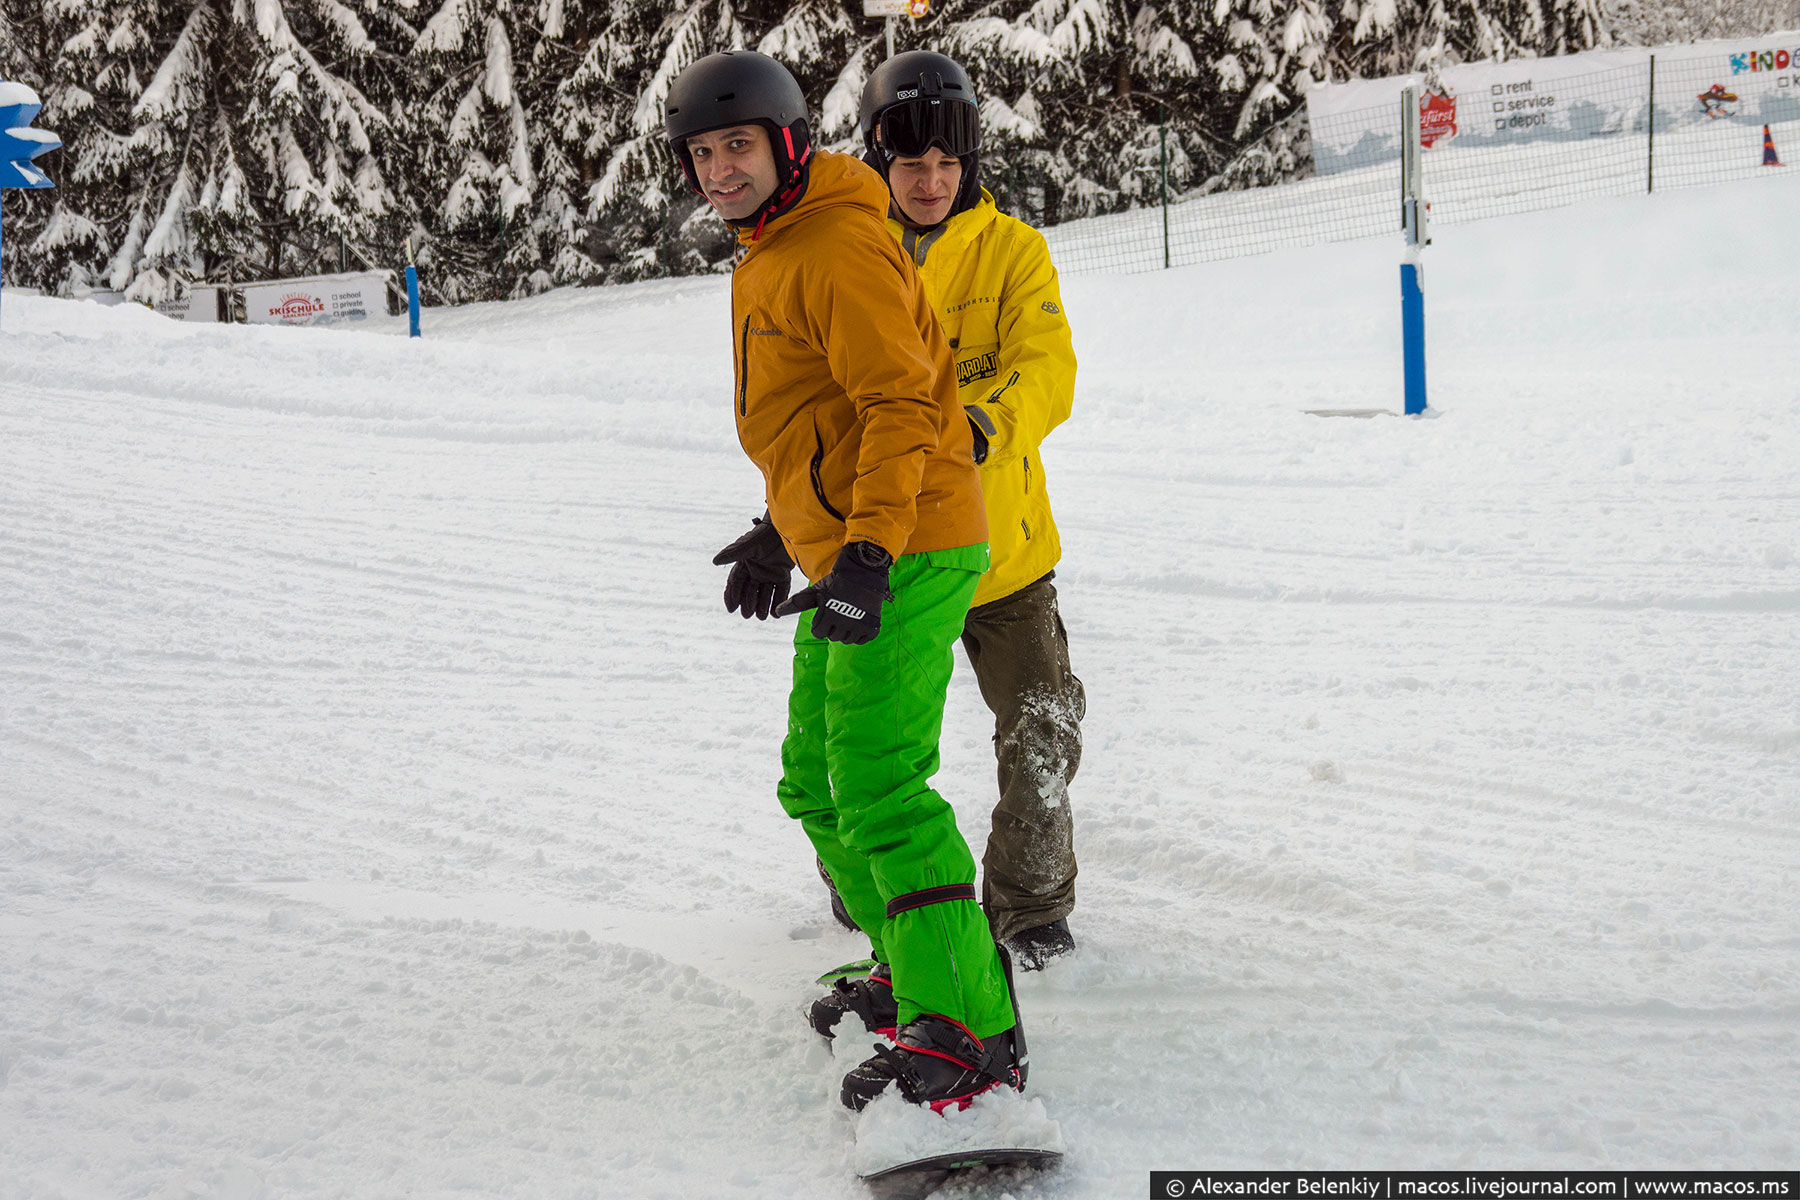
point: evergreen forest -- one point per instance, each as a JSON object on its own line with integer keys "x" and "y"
{"x": 517, "y": 143}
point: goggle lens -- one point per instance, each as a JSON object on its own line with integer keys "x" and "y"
{"x": 909, "y": 130}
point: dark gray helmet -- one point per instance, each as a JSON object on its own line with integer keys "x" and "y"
{"x": 739, "y": 87}
{"x": 917, "y": 100}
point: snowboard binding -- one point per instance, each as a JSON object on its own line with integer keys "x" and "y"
{"x": 870, "y": 997}
{"x": 936, "y": 1062}
{"x": 939, "y": 1063}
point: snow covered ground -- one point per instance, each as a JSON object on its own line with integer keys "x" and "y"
{"x": 386, "y": 802}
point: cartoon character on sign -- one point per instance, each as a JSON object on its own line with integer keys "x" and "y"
{"x": 917, "y": 9}
{"x": 1437, "y": 117}
{"x": 1714, "y": 99}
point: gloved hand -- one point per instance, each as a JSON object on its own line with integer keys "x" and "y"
{"x": 760, "y": 571}
{"x": 982, "y": 427}
{"x": 849, "y": 597}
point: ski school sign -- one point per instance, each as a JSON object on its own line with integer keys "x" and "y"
{"x": 1572, "y": 97}
{"x": 318, "y": 299}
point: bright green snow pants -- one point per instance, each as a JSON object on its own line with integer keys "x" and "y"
{"x": 861, "y": 748}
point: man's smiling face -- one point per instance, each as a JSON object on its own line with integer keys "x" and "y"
{"x": 735, "y": 167}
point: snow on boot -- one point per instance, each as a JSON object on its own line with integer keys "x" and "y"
{"x": 1036, "y": 946}
{"x": 837, "y": 902}
{"x": 871, "y": 998}
{"x": 936, "y": 1062}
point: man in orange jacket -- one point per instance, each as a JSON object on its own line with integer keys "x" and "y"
{"x": 846, "y": 399}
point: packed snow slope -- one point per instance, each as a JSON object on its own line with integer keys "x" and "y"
{"x": 386, "y": 801}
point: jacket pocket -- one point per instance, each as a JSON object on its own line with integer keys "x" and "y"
{"x": 744, "y": 369}
{"x": 818, "y": 481}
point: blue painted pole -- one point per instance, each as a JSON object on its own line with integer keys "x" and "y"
{"x": 1412, "y": 327}
{"x": 412, "y": 293}
{"x": 1413, "y": 220}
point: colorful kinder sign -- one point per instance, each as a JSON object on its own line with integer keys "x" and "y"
{"x": 318, "y": 299}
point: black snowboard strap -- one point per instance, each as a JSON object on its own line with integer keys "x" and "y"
{"x": 936, "y": 895}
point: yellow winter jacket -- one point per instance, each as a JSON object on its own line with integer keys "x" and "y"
{"x": 990, "y": 279}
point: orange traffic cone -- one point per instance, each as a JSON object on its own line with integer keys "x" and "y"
{"x": 1769, "y": 159}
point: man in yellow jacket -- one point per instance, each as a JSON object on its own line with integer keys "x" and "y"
{"x": 845, "y": 398}
{"x": 995, "y": 291}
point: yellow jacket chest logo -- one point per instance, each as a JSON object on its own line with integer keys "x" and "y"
{"x": 981, "y": 365}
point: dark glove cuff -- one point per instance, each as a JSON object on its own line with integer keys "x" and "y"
{"x": 770, "y": 550}
{"x": 981, "y": 431}
{"x": 867, "y": 555}
{"x": 861, "y": 571}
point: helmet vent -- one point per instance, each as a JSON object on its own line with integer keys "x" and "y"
{"x": 727, "y": 96}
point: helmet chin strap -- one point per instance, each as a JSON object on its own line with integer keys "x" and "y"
{"x": 785, "y": 195}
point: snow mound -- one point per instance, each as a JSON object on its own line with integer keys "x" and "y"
{"x": 891, "y": 1131}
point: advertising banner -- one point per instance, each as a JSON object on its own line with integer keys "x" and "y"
{"x": 204, "y": 303}
{"x": 1753, "y": 82}
{"x": 318, "y": 299}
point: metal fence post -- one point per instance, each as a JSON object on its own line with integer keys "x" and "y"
{"x": 1165, "y": 184}
{"x": 1650, "y": 166}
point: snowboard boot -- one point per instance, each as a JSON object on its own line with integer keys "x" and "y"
{"x": 837, "y": 902}
{"x": 1036, "y": 946}
{"x": 938, "y": 1063}
{"x": 871, "y": 998}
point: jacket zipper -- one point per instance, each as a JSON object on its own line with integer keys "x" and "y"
{"x": 1002, "y": 389}
{"x": 818, "y": 484}
{"x": 1026, "y": 458}
{"x": 744, "y": 369}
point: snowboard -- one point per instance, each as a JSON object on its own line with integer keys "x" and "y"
{"x": 850, "y": 970}
{"x": 917, "y": 1179}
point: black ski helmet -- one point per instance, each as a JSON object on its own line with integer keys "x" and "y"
{"x": 741, "y": 87}
{"x": 932, "y": 98}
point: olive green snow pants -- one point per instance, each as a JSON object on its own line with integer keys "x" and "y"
{"x": 1020, "y": 652}
{"x": 861, "y": 748}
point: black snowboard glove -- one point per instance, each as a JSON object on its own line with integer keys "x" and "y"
{"x": 849, "y": 597}
{"x": 759, "y": 573}
{"x": 982, "y": 427}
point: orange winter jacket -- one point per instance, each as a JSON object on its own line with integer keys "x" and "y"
{"x": 846, "y": 389}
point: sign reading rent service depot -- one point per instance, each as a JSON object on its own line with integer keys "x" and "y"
{"x": 1754, "y": 82}
{"x": 317, "y": 300}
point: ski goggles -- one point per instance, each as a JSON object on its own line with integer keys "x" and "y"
{"x": 909, "y": 129}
